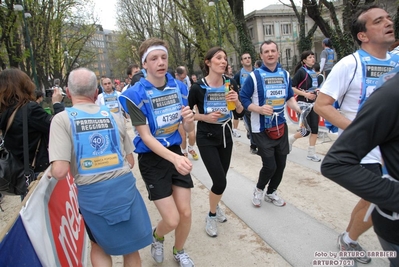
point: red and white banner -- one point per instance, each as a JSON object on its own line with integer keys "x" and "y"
{"x": 53, "y": 223}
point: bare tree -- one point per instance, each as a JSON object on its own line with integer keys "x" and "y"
{"x": 245, "y": 43}
{"x": 340, "y": 36}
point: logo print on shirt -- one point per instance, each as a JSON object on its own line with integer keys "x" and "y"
{"x": 99, "y": 143}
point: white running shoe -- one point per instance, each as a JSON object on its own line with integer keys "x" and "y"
{"x": 220, "y": 216}
{"x": 257, "y": 197}
{"x": 275, "y": 199}
{"x": 236, "y": 133}
{"x": 314, "y": 158}
{"x": 157, "y": 249}
{"x": 183, "y": 259}
{"x": 211, "y": 226}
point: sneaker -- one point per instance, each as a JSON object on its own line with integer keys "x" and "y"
{"x": 183, "y": 259}
{"x": 236, "y": 133}
{"x": 220, "y": 216}
{"x": 314, "y": 158}
{"x": 211, "y": 227}
{"x": 253, "y": 151}
{"x": 157, "y": 249}
{"x": 342, "y": 246}
{"x": 257, "y": 197}
{"x": 193, "y": 154}
{"x": 275, "y": 199}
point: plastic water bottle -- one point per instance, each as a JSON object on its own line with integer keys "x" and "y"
{"x": 230, "y": 104}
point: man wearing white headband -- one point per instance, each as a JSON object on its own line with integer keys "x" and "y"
{"x": 156, "y": 105}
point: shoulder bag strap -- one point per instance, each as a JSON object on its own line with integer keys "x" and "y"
{"x": 37, "y": 150}
{"x": 350, "y": 82}
{"x": 10, "y": 121}
{"x": 26, "y": 143}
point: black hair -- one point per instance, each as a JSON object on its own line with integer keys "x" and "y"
{"x": 209, "y": 55}
{"x": 360, "y": 25}
{"x": 304, "y": 56}
{"x": 39, "y": 94}
{"x": 244, "y": 54}
{"x": 129, "y": 69}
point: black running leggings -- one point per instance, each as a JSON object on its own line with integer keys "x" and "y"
{"x": 217, "y": 162}
{"x": 272, "y": 171}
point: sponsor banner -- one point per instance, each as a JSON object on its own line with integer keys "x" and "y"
{"x": 54, "y": 225}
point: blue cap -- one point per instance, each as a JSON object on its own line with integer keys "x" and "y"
{"x": 326, "y": 41}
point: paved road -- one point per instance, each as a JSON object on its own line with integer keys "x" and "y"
{"x": 292, "y": 233}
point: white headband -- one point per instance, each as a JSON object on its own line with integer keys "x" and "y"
{"x": 152, "y": 48}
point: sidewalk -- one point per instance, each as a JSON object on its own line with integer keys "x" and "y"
{"x": 269, "y": 235}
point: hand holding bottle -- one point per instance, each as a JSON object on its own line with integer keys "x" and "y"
{"x": 231, "y": 96}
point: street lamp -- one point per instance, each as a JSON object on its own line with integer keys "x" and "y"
{"x": 212, "y": 3}
{"x": 26, "y": 15}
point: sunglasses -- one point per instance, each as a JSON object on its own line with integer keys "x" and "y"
{"x": 246, "y": 58}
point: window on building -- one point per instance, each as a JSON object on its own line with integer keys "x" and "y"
{"x": 251, "y": 32}
{"x": 288, "y": 53}
{"x": 268, "y": 29}
{"x": 286, "y": 29}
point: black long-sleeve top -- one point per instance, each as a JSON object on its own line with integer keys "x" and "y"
{"x": 209, "y": 133}
{"x": 303, "y": 79}
{"x": 376, "y": 124}
{"x": 38, "y": 129}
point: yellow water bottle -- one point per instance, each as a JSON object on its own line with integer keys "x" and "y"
{"x": 230, "y": 104}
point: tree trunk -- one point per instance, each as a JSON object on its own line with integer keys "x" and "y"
{"x": 246, "y": 46}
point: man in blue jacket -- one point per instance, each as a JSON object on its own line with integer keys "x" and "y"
{"x": 265, "y": 94}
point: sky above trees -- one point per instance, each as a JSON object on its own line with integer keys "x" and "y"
{"x": 108, "y": 13}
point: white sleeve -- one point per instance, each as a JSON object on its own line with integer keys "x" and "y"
{"x": 337, "y": 83}
{"x": 98, "y": 101}
{"x": 322, "y": 63}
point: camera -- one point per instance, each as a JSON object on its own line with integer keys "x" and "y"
{"x": 49, "y": 92}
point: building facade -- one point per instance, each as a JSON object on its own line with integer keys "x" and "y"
{"x": 280, "y": 24}
{"x": 102, "y": 43}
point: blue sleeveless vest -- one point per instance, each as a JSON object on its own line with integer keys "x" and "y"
{"x": 243, "y": 76}
{"x": 330, "y": 58}
{"x": 161, "y": 108}
{"x": 313, "y": 75}
{"x": 111, "y": 101}
{"x": 96, "y": 141}
{"x": 275, "y": 87}
{"x": 373, "y": 69}
{"x": 215, "y": 100}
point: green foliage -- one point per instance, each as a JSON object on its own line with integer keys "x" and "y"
{"x": 305, "y": 43}
{"x": 46, "y": 30}
{"x": 343, "y": 44}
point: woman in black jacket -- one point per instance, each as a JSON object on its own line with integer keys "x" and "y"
{"x": 305, "y": 84}
{"x": 16, "y": 91}
{"x": 212, "y": 95}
